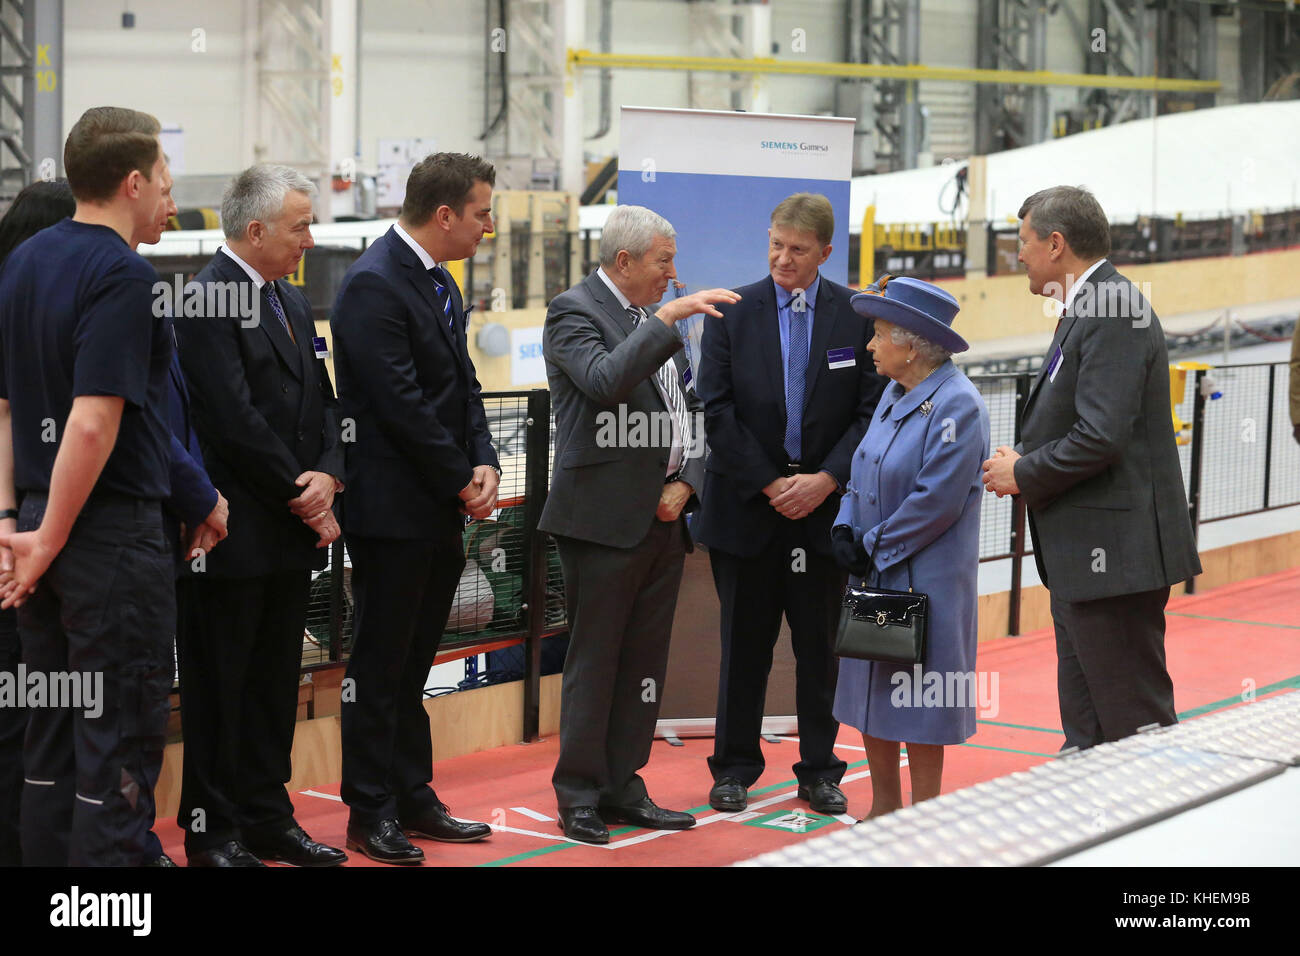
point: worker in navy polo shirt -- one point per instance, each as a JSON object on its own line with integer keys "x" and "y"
{"x": 83, "y": 376}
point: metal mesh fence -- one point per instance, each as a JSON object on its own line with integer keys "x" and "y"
{"x": 489, "y": 601}
{"x": 999, "y": 393}
{"x": 1249, "y": 462}
{"x": 1235, "y": 443}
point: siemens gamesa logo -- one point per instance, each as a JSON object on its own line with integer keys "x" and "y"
{"x": 783, "y": 146}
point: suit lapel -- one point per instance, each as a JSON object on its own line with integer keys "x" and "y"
{"x": 823, "y": 320}
{"x": 269, "y": 325}
{"x": 769, "y": 329}
{"x": 285, "y": 346}
{"x": 423, "y": 284}
{"x": 609, "y": 302}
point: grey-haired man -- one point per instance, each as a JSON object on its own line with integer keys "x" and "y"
{"x": 615, "y": 508}
{"x": 265, "y": 414}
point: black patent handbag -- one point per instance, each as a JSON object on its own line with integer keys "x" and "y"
{"x": 880, "y": 624}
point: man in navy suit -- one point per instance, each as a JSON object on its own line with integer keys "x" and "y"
{"x": 266, "y": 418}
{"x": 195, "y": 512}
{"x": 788, "y": 393}
{"x": 421, "y": 461}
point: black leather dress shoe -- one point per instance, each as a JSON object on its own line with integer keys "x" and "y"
{"x": 438, "y": 824}
{"x": 584, "y": 824}
{"x": 644, "y": 813}
{"x": 729, "y": 795}
{"x": 228, "y": 854}
{"x": 384, "y": 842}
{"x": 825, "y": 796}
{"x": 296, "y": 847}
{"x": 161, "y": 861}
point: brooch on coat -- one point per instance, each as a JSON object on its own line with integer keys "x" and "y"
{"x": 927, "y": 407}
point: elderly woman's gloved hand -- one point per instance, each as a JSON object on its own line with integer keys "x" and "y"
{"x": 848, "y": 551}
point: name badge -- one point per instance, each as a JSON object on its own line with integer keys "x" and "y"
{"x": 688, "y": 378}
{"x": 840, "y": 358}
{"x": 318, "y": 345}
{"x": 1054, "y": 365}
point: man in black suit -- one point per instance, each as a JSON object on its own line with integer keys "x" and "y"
{"x": 788, "y": 393}
{"x": 421, "y": 461}
{"x": 266, "y": 417}
{"x": 627, "y": 462}
{"x": 1098, "y": 468}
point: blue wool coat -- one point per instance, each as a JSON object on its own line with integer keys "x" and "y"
{"x": 916, "y": 480}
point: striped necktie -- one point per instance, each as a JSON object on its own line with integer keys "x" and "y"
{"x": 442, "y": 284}
{"x": 667, "y": 378}
{"x": 278, "y": 309}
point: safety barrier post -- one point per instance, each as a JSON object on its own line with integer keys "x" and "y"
{"x": 1194, "y": 476}
{"x": 536, "y": 482}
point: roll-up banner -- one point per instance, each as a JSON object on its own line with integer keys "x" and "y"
{"x": 717, "y": 176}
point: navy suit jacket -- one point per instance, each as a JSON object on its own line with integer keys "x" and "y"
{"x": 265, "y": 412}
{"x": 193, "y": 496}
{"x": 742, "y": 383}
{"x": 410, "y": 395}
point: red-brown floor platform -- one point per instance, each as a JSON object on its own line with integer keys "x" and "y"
{"x": 1223, "y": 647}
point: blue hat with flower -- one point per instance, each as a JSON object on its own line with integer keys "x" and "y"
{"x": 912, "y": 304}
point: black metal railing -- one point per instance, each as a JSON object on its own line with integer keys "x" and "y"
{"x": 1238, "y": 459}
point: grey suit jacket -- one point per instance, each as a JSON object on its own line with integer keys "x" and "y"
{"x": 608, "y": 476}
{"x": 1100, "y": 472}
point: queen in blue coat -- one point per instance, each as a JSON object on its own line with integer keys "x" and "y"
{"x": 913, "y": 503}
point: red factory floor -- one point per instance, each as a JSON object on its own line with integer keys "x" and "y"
{"x": 1222, "y": 646}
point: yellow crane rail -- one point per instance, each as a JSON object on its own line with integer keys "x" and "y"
{"x": 588, "y": 59}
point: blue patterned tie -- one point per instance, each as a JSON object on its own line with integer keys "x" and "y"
{"x": 796, "y": 370}
{"x": 277, "y": 308}
{"x": 441, "y": 283}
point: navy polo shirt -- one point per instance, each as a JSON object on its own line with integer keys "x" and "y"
{"x": 77, "y": 317}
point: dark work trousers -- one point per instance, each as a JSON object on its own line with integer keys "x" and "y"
{"x": 1110, "y": 666}
{"x": 620, "y": 605}
{"x": 402, "y": 589}
{"x": 240, "y": 652}
{"x": 790, "y": 578}
{"x": 105, "y": 608}
{"x": 13, "y": 726}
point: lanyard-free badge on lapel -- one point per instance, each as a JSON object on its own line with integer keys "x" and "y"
{"x": 840, "y": 358}
{"x": 1054, "y": 365}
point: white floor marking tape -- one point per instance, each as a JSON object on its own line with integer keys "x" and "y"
{"x": 323, "y": 796}
{"x": 533, "y": 814}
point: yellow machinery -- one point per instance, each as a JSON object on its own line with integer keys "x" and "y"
{"x": 1177, "y": 395}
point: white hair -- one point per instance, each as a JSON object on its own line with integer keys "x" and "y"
{"x": 632, "y": 228}
{"x": 258, "y": 194}
{"x": 934, "y": 354}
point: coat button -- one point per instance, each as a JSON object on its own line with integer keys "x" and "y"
{"x": 872, "y": 497}
{"x": 300, "y": 436}
{"x": 284, "y": 388}
{"x": 876, "y": 460}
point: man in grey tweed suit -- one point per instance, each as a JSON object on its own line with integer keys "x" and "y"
{"x": 628, "y": 444}
{"x": 1098, "y": 468}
